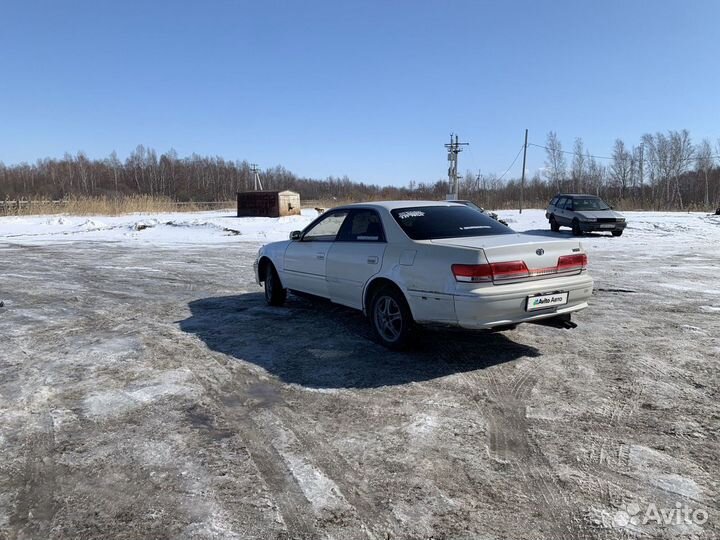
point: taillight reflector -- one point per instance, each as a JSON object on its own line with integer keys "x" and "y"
{"x": 475, "y": 273}
{"x": 511, "y": 269}
{"x": 576, "y": 261}
{"x": 472, "y": 273}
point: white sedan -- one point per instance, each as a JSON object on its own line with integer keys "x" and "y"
{"x": 426, "y": 262}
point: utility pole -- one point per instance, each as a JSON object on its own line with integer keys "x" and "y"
{"x": 522, "y": 178}
{"x": 454, "y": 148}
{"x": 642, "y": 172}
{"x": 257, "y": 184}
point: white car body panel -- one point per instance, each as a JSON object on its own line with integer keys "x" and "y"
{"x": 350, "y": 266}
{"x": 304, "y": 267}
{"x": 421, "y": 269}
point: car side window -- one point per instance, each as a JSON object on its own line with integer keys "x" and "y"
{"x": 569, "y": 204}
{"x": 561, "y": 202}
{"x": 362, "y": 226}
{"x": 326, "y": 230}
{"x": 554, "y": 201}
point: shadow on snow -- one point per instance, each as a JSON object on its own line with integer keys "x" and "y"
{"x": 316, "y": 344}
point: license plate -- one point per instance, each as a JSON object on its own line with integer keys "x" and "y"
{"x": 544, "y": 301}
{"x": 607, "y": 226}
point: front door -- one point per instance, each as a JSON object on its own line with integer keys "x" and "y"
{"x": 355, "y": 257}
{"x": 305, "y": 259}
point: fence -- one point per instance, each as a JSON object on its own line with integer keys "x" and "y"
{"x": 29, "y": 207}
{"x": 102, "y": 206}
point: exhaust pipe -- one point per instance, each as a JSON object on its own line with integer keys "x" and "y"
{"x": 567, "y": 324}
{"x": 559, "y": 321}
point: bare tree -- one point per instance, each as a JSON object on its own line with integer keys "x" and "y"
{"x": 114, "y": 164}
{"x": 621, "y": 167}
{"x": 636, "y": 176}
{"x": 555, "y": 166}
{"x": 705, "y": 162}
{"x": 596, "y": 174}
{"x": 661, "y": 160}
{"x": 577, "y": 169}
{"x": 681, "y": 155}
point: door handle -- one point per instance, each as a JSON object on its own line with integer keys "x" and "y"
{"x": 372, "y": 260}
{"x": 320, "y": 256}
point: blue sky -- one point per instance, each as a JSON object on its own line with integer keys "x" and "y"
{"x": 368, "y": 89}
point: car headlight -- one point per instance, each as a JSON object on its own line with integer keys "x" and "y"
{"x": 621, "y": 219}
{"x": 588, "y": 219}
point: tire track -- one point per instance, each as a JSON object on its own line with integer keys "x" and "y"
{"x": 294, "y": 508}
{"x": 35, "y": 505}
{"x": 510, "y": 441}
{"x": 378, "y": 521}
{"x": 291, "y": 461}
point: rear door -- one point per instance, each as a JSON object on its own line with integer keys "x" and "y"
{"x": 560, "y": 212}
{"x": 306, "y": 259}
{"x": 355, "y": 257}
{"x": 551, "y": 207}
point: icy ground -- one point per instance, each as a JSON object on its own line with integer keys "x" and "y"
{"x": 147, "y": 391}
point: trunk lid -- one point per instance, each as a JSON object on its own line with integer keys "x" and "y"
{"x": 540, "y": 254}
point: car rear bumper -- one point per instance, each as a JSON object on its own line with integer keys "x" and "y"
{"x": 502, "y": 305}
{"x": 593, "y": 226}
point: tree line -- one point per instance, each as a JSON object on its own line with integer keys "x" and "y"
{"x": 663, "y": 170}
{"x": 660, "y": 171}
{"x": 144, "y": 172}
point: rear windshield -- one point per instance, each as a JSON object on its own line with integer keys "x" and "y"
{"x": 589, "y": 203}
{"x": 430, "y": 222}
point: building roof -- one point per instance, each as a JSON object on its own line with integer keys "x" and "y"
{"x": 269, "y": 191}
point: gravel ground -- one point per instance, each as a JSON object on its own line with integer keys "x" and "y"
{"x": 149, "y": 392}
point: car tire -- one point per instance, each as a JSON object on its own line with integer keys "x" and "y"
{"x": 275, "y": 294}
{"x": 390, "y": 318}
{"x": 617, "y": 233}
{"x": 554, "y": 227}
{"x": 576, "y": 230}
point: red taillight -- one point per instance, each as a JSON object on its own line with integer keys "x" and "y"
{"x": 472, "y": 273}
{"x": 509, "y": 270}
{"x": 475, "y": 273}
{"x": 577, "y": 261}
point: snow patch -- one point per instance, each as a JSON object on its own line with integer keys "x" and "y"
{"x": 323, "y": 494}
{"x": 111, "y": 403}
{"x": 154, "y": 229}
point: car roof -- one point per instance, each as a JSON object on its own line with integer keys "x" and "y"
{"x": 393, "y": 205}
{"x": 573, "y": 195}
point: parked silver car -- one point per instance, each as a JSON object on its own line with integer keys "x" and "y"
{"x": 583, "y": 213}
{"x": 471, "y": 204}
{"x": 428, "y": 262}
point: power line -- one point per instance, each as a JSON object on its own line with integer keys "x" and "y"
{"x": 568, "y": 152}
{"x": 513, "y": 163}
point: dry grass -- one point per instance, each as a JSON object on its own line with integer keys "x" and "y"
{"x": 107, "y": 206}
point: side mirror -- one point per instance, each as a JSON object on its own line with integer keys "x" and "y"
{"x": 295, "y": 235}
